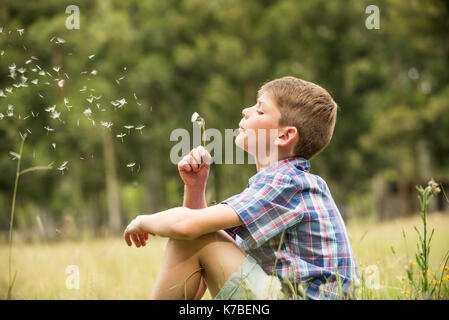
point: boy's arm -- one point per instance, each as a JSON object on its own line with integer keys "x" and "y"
{"x": 194, "y": 197}
{"x": 183, "y": 223}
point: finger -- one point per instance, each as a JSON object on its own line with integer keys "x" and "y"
{"x": 184, "y": 165}
{"x": 136, "y": 240}
{"x": 192, "y": 163}
{"x": 142, "y": 239}
{"x": 146, "y": 235}
{"x": 196, "y": 155}
{"x": 205, "y": 156}
{"x": 127, "y": 239}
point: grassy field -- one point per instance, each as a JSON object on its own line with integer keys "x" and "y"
{"x": 111, "y": 270}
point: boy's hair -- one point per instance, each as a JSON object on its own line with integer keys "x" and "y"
{"x": 306, "y": 106}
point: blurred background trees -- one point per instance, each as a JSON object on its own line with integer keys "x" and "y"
{"x": 168, "y": 59}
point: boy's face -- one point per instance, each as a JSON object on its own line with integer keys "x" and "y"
{"x": 258, "y": 122}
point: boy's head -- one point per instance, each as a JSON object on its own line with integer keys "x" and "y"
{"x": 303, "y": 113}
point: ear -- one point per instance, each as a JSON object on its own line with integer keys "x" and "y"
{"x": 286, "y": 136}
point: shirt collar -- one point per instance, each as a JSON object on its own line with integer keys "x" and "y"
{"x": 298, "y": 162}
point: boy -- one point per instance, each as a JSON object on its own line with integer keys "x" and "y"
{"x": 283, "y": 236}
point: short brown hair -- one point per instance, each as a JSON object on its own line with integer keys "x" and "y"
{"x": 309, "y": 108}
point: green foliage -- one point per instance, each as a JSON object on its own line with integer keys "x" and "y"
{"x": 178, "y": 57}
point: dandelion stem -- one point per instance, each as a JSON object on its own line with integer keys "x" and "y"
{"x": 11, "y": 281}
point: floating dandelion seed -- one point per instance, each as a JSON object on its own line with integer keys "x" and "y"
{"x": 2, "y": 94}
{"x": 21, "y": 70}
{"x": 51, "y": 109}
{"x": 90, "y": 100}
{"x": 20, "y": 31}
{"x": 57, "y": 68}
{"x": 35, "y": 81}
{"x": 28, "y": 61}
{"x": 55, "y": 115}
{"x": 84, "y": 88}
{"x": 119, "y": 103}
{"x": 61, "y": 83}
{"x": 91, "y": 56}
{"x": 93, "y": 72}
{"x": 119, "y": 79}
{"x": 54, "y": 145}
{"x": 87, "y": 112}
{"x": 140, "y": 128}
{"x": 29, "y": 130}
{"x": 106, "y": 124}
{"x": 131, "y": 165}
{"x": 42, "y": 73}
{"x": 66, "y": 100}
{"x": 15, "y": 155}
{"x": 121, "y": 135}
{"x": 48, "y": 129}
{"x": 129, "y": 127}
{"x": 59, "y": 41}
{"x": 1, "y": 116}
{"x": 63, "y": 167}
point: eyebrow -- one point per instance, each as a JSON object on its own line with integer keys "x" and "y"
{"x": 261, "y": 103}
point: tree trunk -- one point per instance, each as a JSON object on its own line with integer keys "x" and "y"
{"x": 112, "y": 185}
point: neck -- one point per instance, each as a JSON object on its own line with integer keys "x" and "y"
{"x": 265, "y": 162}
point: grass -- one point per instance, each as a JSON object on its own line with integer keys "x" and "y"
{"x": 109, "y": 269}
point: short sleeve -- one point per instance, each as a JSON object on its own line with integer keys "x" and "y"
{"x": 267, "y": 207}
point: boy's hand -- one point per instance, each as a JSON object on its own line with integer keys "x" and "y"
{"x": 189, "y": 167}
{"x": 135, "y": 232}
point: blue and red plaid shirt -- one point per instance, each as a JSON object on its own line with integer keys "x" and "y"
{"x": 285, "y": 201}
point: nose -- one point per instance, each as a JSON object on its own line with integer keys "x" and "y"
{"x": 245, "y": 113}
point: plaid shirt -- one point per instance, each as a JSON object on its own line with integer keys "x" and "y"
{"x": 285, "y": 201}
